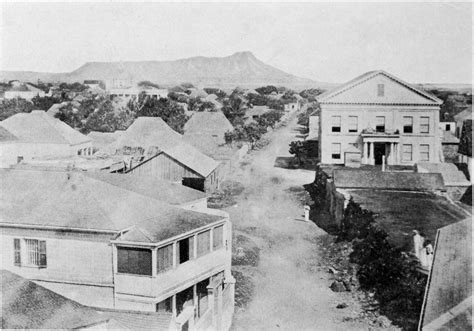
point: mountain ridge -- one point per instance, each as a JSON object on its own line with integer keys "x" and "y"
{"x": 239, "y": 69}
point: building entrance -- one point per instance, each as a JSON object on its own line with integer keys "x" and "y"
{"x": 379, "y": 152}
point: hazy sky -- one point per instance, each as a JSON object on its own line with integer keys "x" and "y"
{"x": 424, "y": 42}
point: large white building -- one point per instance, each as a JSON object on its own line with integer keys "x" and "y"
{"x": 377, "y": 117}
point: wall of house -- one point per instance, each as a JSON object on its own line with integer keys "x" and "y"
{"x": 143, "y": 292}
{"x": 8, "y": 154}
{"x": 28, "y": 95}
{"x": 79, "y": 266}
{"x": 164, "y": 167}
{"x": 367, "y": 119}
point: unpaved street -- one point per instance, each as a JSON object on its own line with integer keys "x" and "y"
{"x": 291, "y": 287}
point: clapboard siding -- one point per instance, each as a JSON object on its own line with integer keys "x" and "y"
{"x": 164, "y": 167}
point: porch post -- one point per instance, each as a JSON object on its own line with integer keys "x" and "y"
{"x": 391, "y": 159}
{"x": 365, "y": 156}
{"x": 398, "y": 154}
{"x": 372, "y": 159}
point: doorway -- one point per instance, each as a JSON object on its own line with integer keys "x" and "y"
{"x": 379, "y": 152}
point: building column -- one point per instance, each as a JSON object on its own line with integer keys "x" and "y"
{"x": 372, "y": 159}
{"x": 399, "y": 160}
{"x": 365, "y": 157}
{"x": 391, "y": 159}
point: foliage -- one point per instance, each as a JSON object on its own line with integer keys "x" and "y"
{"x": 303, "y": 118}
{"x": 44, "y": 103}
{"x": 257, "y": 99}
{"x": 187, "y": 85}
{"x": 108, "y": 118}
{"x": 70, "y": 115}
{"x": 168, "y": 110}
{"x": 9, "y": 107}
{"x": 234, "y": 109}
{"x": 299, "y": 149}
{"x": 249, "y": 133}
{"x": 276, "y": 104}
{"x": 217, "y": 91}
{"x": 74, "y": 87}
{"x": 270, "y": 119}
{"x": 265, "y": 90}
{"x": 147, "y": 83}
{"x": 311, "y": 94}
{"x": 197, "y": 104}
{"x": 178, "y": 97}
{"x": 383, "y": 269}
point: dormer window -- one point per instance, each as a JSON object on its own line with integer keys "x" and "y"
{"x": 380, "y": 90}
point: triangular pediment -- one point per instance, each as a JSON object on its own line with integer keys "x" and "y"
{"x": 378, "y": 87}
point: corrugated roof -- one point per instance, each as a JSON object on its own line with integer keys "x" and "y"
{"x": 406, "y": 181}
{"x": 208, "y": 123}
{"x": 135, "y": 320}
{"x": 26, "y": 305}
{"x": 39, "y": 127}
{"x": 80, "y": 201}
{"x": 192, "y": 158}
{"x": 323, "y": 97}
{"x": 448, "y": 299}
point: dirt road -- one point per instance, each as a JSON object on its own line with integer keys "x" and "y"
{"x": 291, "y": 287}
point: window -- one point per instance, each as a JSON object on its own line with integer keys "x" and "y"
{"x": 407, "y": 124}
{"x": 203, "y": 243}
{"x": 424, "y": 152}
{"x": 35, "y": 252}
{"x": 380, "y": 90}
{"x": 218, "y": 237}
{"x": 424, "y": 124}
{"x": 336, "y": 151}
{"x": 380, "y": 123}
{"x": 448, "y": 127}
{"x": 17, "y": 252}
{"x": 407, "y": 152}
{"x": 135, "y": 261}
{"x": 164, "y": 257}
{"x": 336, "y": 123}
{"x": 165, "y": 306}
{"x": 353, "y": 123}
{"x": 185, "y": 250}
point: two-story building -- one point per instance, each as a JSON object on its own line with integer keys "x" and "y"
{"x": 116, "y": 245}
{"x": 378, "y": 118}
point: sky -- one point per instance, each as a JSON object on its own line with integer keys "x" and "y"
{"x": 418, "y": 42}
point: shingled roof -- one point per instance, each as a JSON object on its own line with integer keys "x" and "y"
{"x": 84, "y": 202}
{"x": 39, "y": 127}
{"x": 448, "y": 300}
{"x": 26, "y": 305}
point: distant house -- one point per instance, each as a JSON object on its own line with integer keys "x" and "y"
{"x": 27, "y": 305}
{"x": 447, "y": 304}
{"x": 448, "y": 126}
{"x": 254, "y": 113}
{"x": 384, "y": 117}
{"x": 292, "y": 106}
{"x": 23, "y": 90}
{"x": 162, "y": 152}
{"x": 40, "y": 135}
{"x": 132, "y": 92}
{"x": 115, "y": 244}
{"x": 93, "y": 83}
{"x": 313, "y": 134}
{"x": 212, "y": 124}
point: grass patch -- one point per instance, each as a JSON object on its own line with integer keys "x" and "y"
{"x": 245, "y": 251}
{"x": 244, "y": 288}
{"x": 225, "y": 196}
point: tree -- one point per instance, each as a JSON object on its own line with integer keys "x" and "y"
{"x": 249, "y": 133}
{"x": 9, "y": 107}
{"x": 270, "y": 119}
{"x": 265, "y": 90}
{"x": 44, "y": 103}
{"x": 74, "y": 87}
{"x": 70, "y": 115}
{"x": 109, "y": 117}
{"x": 234, "y": 109}
{"x": 147, "y": 83}
{"x": 311, "y": 94}
{"x": 300, "y": 150}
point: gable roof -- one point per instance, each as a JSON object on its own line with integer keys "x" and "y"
{"x": 6, "y": 136}
{"x": 448, "y": 297}
{"x": 452, "y": 176}
{"x": 192, "y": 158}
{"x": 82, "y": 201}
{"x": 27, "y": 305}
{"x": 207, "y": 122}
{"x": 328, "y": 95}
{"x": 39, "y": 127}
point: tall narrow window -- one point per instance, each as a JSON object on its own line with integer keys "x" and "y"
{"x": 424, "y": 152}
{"x": 407, "y": 124}
{"x": 380, "y": 90}
{"x": 17, "y": 251}
{"x": 336, "y": 123}
{"x": 202, "y": 297}
{"x": 218, "y": 237}
{"x": 36, "y": 252}
{"x": 203, "y": 243}
{"x": 380, "y": 123}
{"x": 336, "y": 151}
{"x": 424, "y": 124}
{"x": 164, "y": 258}
{"x": 185, "y": 250}
{"x": 407, "y": 152}
{"x": 353, "y": 124}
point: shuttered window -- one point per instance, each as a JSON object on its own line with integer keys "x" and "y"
{"x": 17, "y": 251}
{"x": 36, "y": 252}
{"x": 424, "y": 124}
{"x": 407, "y": 152}
{"x": 424, "y": 152}
{"x": 164, "y": 258}
{"x": 203, "y": 243}
{"x": 133, "y": 260}
{"x": 218, "y": 237}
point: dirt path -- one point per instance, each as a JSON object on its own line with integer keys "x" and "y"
{"x": 291, "y": 289}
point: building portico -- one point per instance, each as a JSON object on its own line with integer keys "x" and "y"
{"x": 388, "y": 147}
